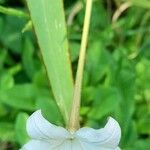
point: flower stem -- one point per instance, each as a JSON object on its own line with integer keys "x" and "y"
{"x": 74, "y": 122}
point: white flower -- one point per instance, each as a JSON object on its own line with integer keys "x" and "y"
{"x": 46, "y": 136}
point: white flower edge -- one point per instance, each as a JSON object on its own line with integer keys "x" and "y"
{"x": 46, "y": 136}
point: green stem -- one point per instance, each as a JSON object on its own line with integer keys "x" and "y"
{"x": 74, "y": 123}
{"x": 13, "y": 12}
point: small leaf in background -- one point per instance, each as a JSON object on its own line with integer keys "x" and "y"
{"x": 7, "y": 131}
{"x": 3, "y": 110}
{"x": 130, "y": 135}
{"x": 3, "y": 55}
{"x": 12, "y": 30}
{"x": 19, "y": 96}
{"x": 30, "y": 65}
{"x": 40, "y": 79}
{"x": 143, "y": 3}
{"x": 6, "y": 81}
{"x": 49, "y": 109}
{"x": 74, "y": 51}
{"x": 143, "y": 125}
{"x": 51, "y": 32}
{"x": 28, "y": 26}
{"x": 105, "y": 101}
{"x": 126, "y": 84}
{"x": 97, "y": 62}
{"x": 13, "y": 12}
{"x": 142, "y": 144}
{"x": 20, "y": 128}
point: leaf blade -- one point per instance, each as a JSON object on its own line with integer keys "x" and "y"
{"x": 51, "y": 33}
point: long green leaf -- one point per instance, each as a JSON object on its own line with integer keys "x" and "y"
{"x": 49, "y": 23}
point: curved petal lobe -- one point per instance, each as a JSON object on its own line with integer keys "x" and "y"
{"x": 39, "y": 128}
{"x": 107, "y": 137}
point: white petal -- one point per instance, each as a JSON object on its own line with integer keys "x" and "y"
{"x": 41, "y": 145}
{"x": 63, "y": 145}
{"x": 76, "y": 145}
{"x": 36, "y": 145}
{"x": 107, "y": 137}
{"x": 39, "y": 128}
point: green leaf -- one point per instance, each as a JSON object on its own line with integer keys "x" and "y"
{"x": 143, "y": 3}
{"x": 7, "y": 132}
{"x": 130, "y": 135}
{"x": 105, "y": 102}
{"x": 13, "y": 12}
{"x": 143, "y": 125}
{"x": 98, "y": 60}
{"x": 27, "y": 58}
{"x": 126, "y": 85}
{"x": 6, "y": 80}
{"x": 74, "y": 51}
{"x": 49, "y": 109}
{"x": 49, "y": 23}
{"x": 19, "y": 96}
{"x": 10, "y": 29}
{"x": 20, "y": 128}
{"x": 142, "y": 144}
{"x": 27, "y": 27}
{"x": 3, "y": 110}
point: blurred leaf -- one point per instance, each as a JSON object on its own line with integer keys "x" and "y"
{"x": 20, "y": 128}
{"x": 6, "y": 81}
{"x": 19, "y": 96}
{"x": 13, "y": 12}
{"x": 97, "y": 62}
{"x": 3, "y": 54}
{"x": 142, "y": 145}
{"x": 51, "y": 33}
{"x": 3, "y": 110}
{"x": 126, "y": 83}
{"x": 29, "y": 62}
{"x": 12, "y": 30}
{"x": 99, "y": 20}
{"x": 105, "y": 102}
{"x": 130, "y": 135}
{"x": 143, "y": 3}
{"x": 143, "y": 124}
{"x": 7, "y": 131}
{"x": 49, "y": 109}
{"x": 27, "y": 27}
{"x": 74, "y": 50}
{"x": 142, "y": 69}
{"x": 40, "y": 79}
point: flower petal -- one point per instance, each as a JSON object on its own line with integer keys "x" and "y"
{"x": 40, "y": 144}
{"x": 53, "y": 145}
{"x": 36, "y": 145}
{"x": 65, "y": 145}
{"x": 107, "y": 137}
{"x": 39, "y": 128}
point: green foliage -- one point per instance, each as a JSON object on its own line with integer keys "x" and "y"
{"x": 116, "y": 76}
{"x": 7, "y": 132}
{"x": 52, "y": 37}
{"x": 19, "y": 96}
{"x": 13, "y": 12}
{"x": 20, "y": 128}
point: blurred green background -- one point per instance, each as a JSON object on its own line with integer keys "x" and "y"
{"x": 116, "y": 76}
